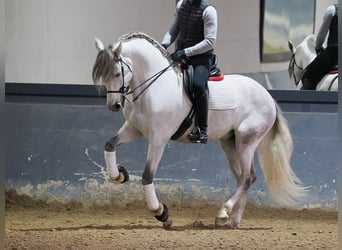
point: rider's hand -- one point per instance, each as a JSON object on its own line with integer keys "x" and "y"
{"x": 178, "y": 55}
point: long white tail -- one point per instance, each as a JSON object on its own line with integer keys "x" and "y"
{"x": 274, "y": 154}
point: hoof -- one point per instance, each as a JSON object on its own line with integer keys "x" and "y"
{"x": 221, "y": 221}
{"x": 164, "y": 216}
{"x": 123, "y": 176}
{"x": 225, "y": 223}
{"x": 167, "y": 225}
{"x": 124, "y": 172}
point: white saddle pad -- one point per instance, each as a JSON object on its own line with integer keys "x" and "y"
{"x": 220, "y": 98}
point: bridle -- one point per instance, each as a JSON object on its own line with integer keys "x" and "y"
{"x": 292, "y": 65}
{"x": 124, "y": 90}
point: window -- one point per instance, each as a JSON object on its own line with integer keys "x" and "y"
{"x": 281, "y": 21}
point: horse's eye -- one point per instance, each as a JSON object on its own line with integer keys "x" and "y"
{"x": 117, "y": 74}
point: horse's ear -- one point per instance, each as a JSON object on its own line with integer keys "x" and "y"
{"x": 117, "y": 48}
{"x": 99, "y": 45}
{"x": 291, "y": 47}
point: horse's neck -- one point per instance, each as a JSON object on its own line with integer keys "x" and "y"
{"x": 148, "y": 62}
{"x": 308, "y": 54}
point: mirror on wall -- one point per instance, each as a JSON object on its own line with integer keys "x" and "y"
{"x": 282, "y": 21}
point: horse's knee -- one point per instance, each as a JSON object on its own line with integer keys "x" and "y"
{"x": 148, "y": 174}
{"x": 111, "y": 144}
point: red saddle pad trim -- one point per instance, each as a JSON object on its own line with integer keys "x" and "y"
{"x": 217, "y": 78}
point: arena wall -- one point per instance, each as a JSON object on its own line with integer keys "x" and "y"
{"x": 55, "y": 145}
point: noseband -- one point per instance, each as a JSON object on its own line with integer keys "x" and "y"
{"x": 292, "y": 66}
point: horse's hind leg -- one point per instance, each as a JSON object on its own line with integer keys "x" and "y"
{"x": 239, "y": 207}
{"x": 126, "y": 134}
{"x": 231, "y": 212}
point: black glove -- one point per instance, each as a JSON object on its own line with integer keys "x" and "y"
{"x": 178, "y": 55}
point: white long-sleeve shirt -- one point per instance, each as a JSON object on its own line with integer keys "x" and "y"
{"x": 322, "y": 33}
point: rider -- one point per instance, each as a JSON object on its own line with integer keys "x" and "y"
{"x": 195, "y": 28}
{"x": 325, "y": 59}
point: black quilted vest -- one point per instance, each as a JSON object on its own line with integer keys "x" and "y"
{"x": 191, "y": 26}
{"x": 333, "y": 33}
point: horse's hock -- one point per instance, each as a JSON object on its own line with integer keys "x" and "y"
{"x": 61, "y": 158}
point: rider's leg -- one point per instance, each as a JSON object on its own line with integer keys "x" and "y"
{"x": 201, "y": 74}
{"x": 202, "y": 106}
{"x": 308, "y": 84}
{"x": 317, "y": 69}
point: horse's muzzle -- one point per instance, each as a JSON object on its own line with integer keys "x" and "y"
{"x": 115, "y": 107}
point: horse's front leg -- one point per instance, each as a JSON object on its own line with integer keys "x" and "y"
{"x": 155, "y": 152}
{"x": 126, "y": 134}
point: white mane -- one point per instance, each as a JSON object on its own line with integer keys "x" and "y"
{"x": 310, "y": 40}
{"x": 140, "y": 35}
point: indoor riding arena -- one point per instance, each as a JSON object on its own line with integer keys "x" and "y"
{"x": 58, "y": 193}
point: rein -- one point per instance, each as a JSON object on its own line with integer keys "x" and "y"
{"x": 332, "y": 82}
{"x": 293, "y": 63}
{"x": 124, "y": 90}
{"x": 152, "y": 79}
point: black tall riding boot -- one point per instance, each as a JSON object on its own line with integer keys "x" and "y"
{"x": 201, "y": 104}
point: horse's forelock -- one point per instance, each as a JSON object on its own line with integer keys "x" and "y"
{"x": 103, "y": 67}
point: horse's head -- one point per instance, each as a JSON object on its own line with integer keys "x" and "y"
{"x": 114, "y": 71}
{"x": 301, "y": 56}
{"x": 295, "y": 71}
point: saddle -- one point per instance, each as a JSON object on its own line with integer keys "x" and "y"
{"x": 215, "y": 74}
{"x": 315, "y": 79}
{"x": 334, "y": 70}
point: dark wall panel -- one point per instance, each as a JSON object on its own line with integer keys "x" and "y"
{"x": 55, "y": 152}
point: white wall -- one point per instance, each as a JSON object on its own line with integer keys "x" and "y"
{"x": 321, "y": 6}
{"x": 51, "y": 41}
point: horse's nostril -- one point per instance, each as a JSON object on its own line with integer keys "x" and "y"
{"x": 114, "y": 107}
